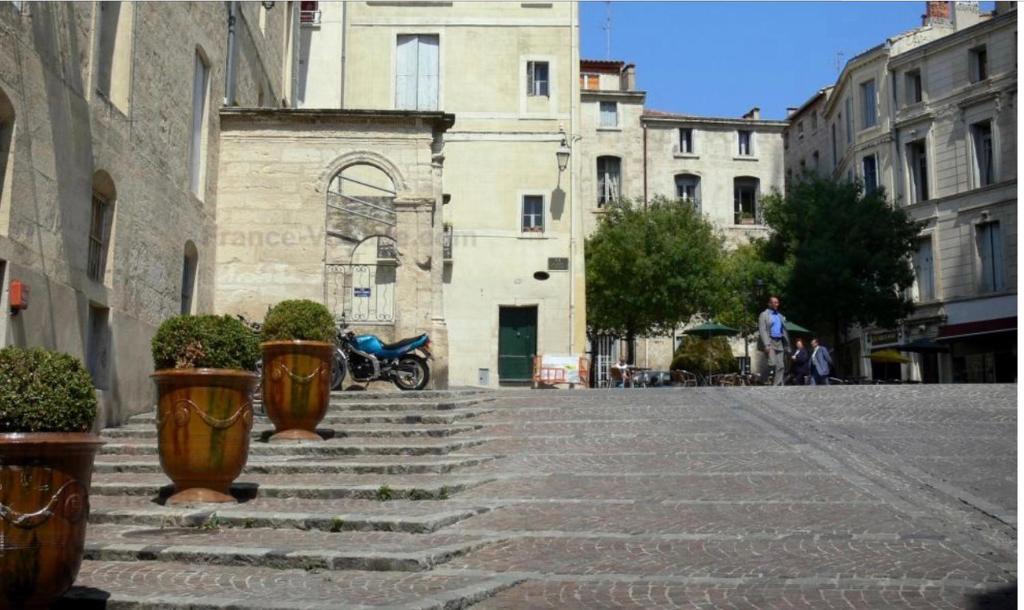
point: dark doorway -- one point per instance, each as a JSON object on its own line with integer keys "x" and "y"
{"x": 517, "y": 344}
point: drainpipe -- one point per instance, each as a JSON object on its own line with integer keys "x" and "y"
{"x": 645, "y": 162}
{"x": 229, "y": 74}
{"x": 344, "y": 47}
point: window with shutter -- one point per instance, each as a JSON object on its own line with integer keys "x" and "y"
{"x": 609, "y": 114}
{"x": 417, "y": 72}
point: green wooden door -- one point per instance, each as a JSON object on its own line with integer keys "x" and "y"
{"x": 517, "y": 343}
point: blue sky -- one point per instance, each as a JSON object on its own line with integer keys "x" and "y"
{"x": 723, "y": 58}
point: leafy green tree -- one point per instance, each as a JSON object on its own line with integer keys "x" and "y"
{"x": 740, "y": 300}
{"x": 650, "y": 269}
{"x": 704, "y": 356}
{"x": 848, "y": 250}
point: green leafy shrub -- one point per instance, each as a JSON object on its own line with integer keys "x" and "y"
{"x": 301, "y": 320}
{"x": 702, "y": 355}
{"x": 216, "y": 342}
{"x": 44, "y": 391}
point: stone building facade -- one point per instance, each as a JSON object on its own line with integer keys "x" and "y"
{"x": 108, "y": 170}
{"x": 930, "y": 116}
{"x": 724, "y": 165}
{"x": 513, "y": 271}
{"x": 346, "y": 212}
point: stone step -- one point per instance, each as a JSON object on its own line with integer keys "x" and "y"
{"x": 365, "y": 487}
{"x": 263, "y": 430}
{"x": 280, "y": 513}
{"x": 275, "y": 465}
{"x": 142, "y": 585}
{"x": 280, "y": 549}
{"x": 410, "y": 396}
{"x": 328, "y": 448}
{"x": 344, "y": 406}
{"x": 345, "y": 418}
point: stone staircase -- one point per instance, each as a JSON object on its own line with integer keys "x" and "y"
{"x": 355, "y": 521}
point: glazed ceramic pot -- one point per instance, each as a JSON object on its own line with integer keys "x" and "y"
{"x": 296, "y": 387}
{"x": 44, "y": 506}
{"x": 204, "y": 422}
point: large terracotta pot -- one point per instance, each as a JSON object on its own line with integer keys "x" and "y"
{"x": 203, "y": 420}
{"x": 44, "y": 506}
{"x": 296, "y": 387}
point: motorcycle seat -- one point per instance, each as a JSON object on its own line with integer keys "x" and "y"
{"x": 402, "y": 343}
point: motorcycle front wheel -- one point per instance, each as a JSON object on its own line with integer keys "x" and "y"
{"x": 411, "y": 373}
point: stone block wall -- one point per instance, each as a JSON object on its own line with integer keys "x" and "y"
{"x": 65, "y": 130}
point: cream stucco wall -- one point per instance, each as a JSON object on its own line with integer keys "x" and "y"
{"x": 501, "y": 148}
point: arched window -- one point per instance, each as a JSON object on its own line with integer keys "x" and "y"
{"x": 188, "y": 278}
{"x": 746, "y": 200}
{"x": 101, "y": 219}
{"x": 6, "y": 142}
{"x": 609, "y": 180}
{"x": 688, "y": 189}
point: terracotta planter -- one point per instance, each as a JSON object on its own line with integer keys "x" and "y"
{"x": 44, "y": 506}
{"x": 204, "y": 420}
{"x": 296, "y": 387}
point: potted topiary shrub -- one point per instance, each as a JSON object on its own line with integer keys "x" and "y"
{"x": 205, "y": 385}
{"x": 47, "y": 409}
{"x": 298, "y": 352}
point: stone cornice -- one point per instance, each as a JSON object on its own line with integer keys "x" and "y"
{"x": 441, "y": 121}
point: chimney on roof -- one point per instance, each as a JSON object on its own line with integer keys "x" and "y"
{"x": 627, "y": 80}
{"x": 966, "y": 14}
{"x": 936, "y": 13}
{"x": 790, "y": 111}
{"x": 754, "y": 114}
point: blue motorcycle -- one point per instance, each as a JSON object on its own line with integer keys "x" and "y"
{"x": 367, "y": 359}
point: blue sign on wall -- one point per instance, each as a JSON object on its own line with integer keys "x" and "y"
{"x": 362, "y": 292}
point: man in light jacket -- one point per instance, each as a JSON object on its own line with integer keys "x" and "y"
{"x": 821, "y": 363}
{"x": 774, "y": 338}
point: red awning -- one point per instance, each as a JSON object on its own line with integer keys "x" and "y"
{"x": 982, "y": 327}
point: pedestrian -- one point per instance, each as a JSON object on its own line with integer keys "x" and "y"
{"x": 774, "y": 338}
{"x": 801, "y": 363}
{"x": 624, "y": 380}
{"x": 821, "y": 363}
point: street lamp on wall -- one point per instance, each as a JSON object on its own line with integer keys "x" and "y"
{"x": 562, "y": 154}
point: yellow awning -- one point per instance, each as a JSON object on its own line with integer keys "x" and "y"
{"x": 889, "y": 355}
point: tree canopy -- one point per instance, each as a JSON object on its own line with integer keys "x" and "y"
{"x": 739, "y": 300}
{"x": 650, "y": 269}
{"x": 848, "y": 252}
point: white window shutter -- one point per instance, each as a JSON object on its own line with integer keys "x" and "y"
{"x": 427, "y": 81}
{"x": 529, "y": 78}
{"x": 405, "y": 73}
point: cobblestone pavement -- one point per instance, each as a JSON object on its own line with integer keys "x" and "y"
{"x": 839, "y": 497}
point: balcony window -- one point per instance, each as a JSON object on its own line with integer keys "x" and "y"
{"x": 609, "y": 180}
{"x": 533, "y": 214}
{"x": 745, "y": 199}
{"x": 688, "y": 189}
{"x": 984, "y": 163}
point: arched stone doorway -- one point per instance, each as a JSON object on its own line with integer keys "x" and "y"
{"x": 361, "y": 256}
